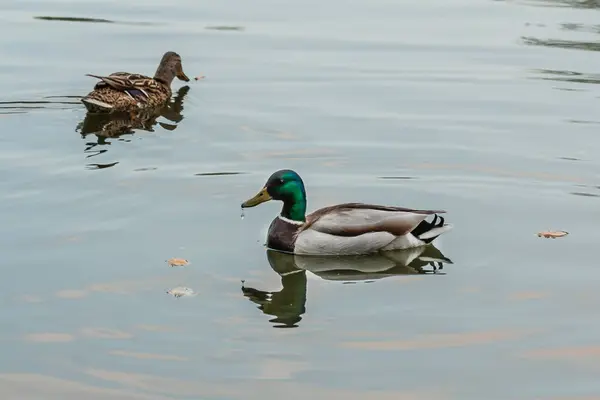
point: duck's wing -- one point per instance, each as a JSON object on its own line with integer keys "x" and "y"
{"x": 354, "y": 219}
{"x": 136, "y": 85}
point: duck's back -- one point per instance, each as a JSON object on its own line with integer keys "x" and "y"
{"x": 122, "y": 91}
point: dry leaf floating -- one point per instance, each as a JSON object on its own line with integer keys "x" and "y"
{"x": 177, "y": 262}
{"x": 552, "y": 234}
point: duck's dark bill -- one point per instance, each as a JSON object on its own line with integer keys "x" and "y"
{"x": 182, "y": 76}
{"x": 261, "y": 197}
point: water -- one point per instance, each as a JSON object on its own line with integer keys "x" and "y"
{"x": 487, "y": 109}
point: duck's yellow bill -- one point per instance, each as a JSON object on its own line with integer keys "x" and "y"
{"x": 261, "y": 197}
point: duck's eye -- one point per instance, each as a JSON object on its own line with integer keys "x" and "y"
{"x": 281, "y": 181}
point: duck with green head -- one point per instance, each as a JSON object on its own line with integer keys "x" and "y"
{"x": 124, "y": 91}
{"x": 341, "y": 229}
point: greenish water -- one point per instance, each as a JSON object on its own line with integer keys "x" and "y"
{"x": 487, "y": 109}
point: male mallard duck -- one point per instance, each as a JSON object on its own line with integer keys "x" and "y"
{"x": 342, "y": 229}
{"x": 123, "y": 91}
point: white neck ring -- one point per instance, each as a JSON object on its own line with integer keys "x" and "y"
{"x": 290, "y": 221}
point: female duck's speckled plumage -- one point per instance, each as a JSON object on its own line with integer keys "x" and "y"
{"x": 124, "y": 91}
{"x": 342, "y": 229}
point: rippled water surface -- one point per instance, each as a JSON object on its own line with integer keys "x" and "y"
{"x": 487, "y": 109}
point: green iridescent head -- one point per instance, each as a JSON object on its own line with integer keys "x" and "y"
{"x": 287, "y": 186}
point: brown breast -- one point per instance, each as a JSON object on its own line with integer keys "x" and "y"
{"x": 282, "y": 235}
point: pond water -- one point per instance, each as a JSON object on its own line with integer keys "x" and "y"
{"x": 487, "y": 109}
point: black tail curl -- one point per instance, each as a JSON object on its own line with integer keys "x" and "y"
{"x": 425, "y": 226}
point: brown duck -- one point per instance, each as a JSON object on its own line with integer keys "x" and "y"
{"x": 124, "y": 91}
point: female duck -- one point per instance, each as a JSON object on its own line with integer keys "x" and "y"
{"x": 123, "y": 91}
{"x": 342, "y": 229}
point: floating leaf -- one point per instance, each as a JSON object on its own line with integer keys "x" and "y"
{"x": 177, "y": 262}
{"x": 181, "y": 291}
{"x": 552, "y": 234}
{"x": 197, "y": 78}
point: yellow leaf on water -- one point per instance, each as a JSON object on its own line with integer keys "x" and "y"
{"x": 177, "y": 262}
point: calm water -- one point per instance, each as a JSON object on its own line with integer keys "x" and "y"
{"x": 487, "y": 109}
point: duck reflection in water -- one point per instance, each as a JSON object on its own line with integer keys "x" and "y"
{"x": 114, "y": 125}
{"x": 289, "y": 304}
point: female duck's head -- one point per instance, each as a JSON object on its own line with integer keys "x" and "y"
{"x": 287, "y": 186}
{"x": 170, "y": 68}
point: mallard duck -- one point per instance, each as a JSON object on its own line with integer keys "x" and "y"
{"x": 342, "y": 229}
{"x": 124, "y": 91}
